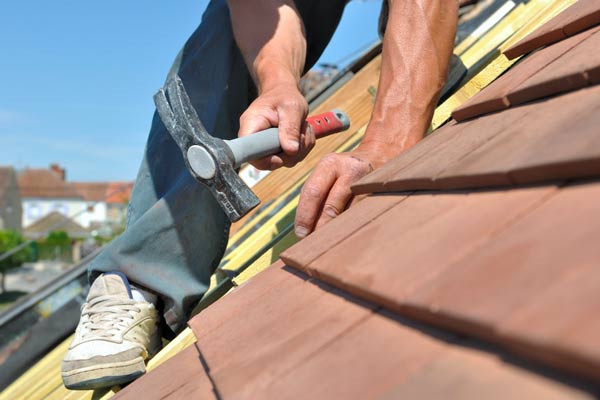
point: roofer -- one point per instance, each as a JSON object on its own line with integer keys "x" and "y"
{"x": 245, "y": 59}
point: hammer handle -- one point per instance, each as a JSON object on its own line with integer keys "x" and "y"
{"x": 265, "y": 143}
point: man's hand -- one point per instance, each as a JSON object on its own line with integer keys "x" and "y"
{"x": 282, "y": 106}
{"x": 327, "y": 193}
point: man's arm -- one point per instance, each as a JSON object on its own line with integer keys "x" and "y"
{"x": 417, "y": 48}
{"x": 270, "y": 35}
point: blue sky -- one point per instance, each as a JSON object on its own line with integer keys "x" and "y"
{"x": 77, "y": 77}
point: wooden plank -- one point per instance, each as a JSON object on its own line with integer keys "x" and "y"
{"x": 582, "y": 15}
{"x": 28, "y": 385}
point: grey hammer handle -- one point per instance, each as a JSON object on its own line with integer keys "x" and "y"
{"x": 266, "y": 142}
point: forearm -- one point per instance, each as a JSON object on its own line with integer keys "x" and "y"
{"x": 270, "y": 35}
{"x": 417, "y": 48}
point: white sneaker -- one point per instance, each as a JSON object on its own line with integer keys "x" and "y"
{"x": 115, "y": 335}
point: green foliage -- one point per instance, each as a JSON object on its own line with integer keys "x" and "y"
{"x": 58, "y": 238}
{"x": 8, "y": 241}
{"x": 56, "y": 247}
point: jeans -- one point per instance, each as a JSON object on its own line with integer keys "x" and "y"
{"x": 176, "y": 232}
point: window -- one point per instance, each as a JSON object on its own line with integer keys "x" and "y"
{"x": 34, "y": 211}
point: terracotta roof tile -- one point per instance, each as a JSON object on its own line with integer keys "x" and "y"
{"x": 339, "y": 229}
{"x": 566, "y": 73}
{"x": 525, "y": 144}
{"x": 301, "y": 317}
{"x": 529, "y": 268}
{"x": 181, "y": 377}
{"x": 429, "y": 231}
{"x": 91, "y": 191}
{"x": 43, "y": 183}
{"x": 277, "y": 342}
{"x": 580, "y": 16}
{"x": 494, "y": 97}
{"x": 118, "y": 192}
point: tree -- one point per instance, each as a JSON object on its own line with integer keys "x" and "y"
{"x": 8, "y": 241}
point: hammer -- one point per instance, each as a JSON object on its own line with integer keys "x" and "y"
{"x": 214, "y": 161}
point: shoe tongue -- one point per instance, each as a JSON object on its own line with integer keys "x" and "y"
{"x": 110, "y": 284}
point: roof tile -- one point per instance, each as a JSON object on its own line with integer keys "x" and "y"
{"x": 494, "y": 97}
{"x": 566, "y": 73}
{"x": 582, "y": 15}
{"x": 285, "y": 326}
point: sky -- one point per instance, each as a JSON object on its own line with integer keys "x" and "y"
{"x": 77, "y": 77}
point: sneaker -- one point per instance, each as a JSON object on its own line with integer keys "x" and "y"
{"x": 115, "y": 335}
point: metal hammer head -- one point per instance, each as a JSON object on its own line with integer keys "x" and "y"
{"x": 218, "y": 172}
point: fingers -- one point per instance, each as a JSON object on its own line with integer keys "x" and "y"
{"x": 291, "y": 121}
{"x": 254, "y": 120}
{"x": 313, "y": 195}
{"x": 338, "y": 199}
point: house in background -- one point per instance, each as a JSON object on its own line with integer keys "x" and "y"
{"x": 10, "y": 200}
{"x": 45, "y": 190}
{"x": 117, "y": 199}
{"x": 94, "y": 194}
{"x": 107, "y": 205}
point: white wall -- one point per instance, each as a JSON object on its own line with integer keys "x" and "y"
{"x": 98, "y": 214}
{"x": 34, "y": 209}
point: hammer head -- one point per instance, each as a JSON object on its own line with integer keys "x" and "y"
{"x": 181, "y": 120}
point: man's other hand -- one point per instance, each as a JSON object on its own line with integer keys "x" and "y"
{"x": 326, "y": 193}
{"x": 281, "y": 106}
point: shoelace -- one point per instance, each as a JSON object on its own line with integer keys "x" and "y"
{"x": 107, "y": 316}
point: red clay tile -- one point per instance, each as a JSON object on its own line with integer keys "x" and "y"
{"x": 585, "y": 15}
{"x": 496, "y": 291}
{"x": 374, "y": 182}
{"x": 270, "y": 337}
{"x": 474, "y": 134}
{"x": 550, "y": 32}
{"x": 566, "y": 73}
{"x": 364, "y": 363}
{"x": 582, "y": 15}
{"x": 493, "y": 98}
{"x": 418, "y": 239}
{"x": 211, "y": 318}
{"x": 320, "y": 241}
{"x": 180, "y": 377}
{"x": 540, "y": 146}
{"x": 464, "y": 373}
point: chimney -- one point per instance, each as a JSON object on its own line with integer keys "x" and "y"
{"x": 62, "y": 174}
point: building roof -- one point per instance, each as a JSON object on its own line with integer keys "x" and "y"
{"x": 44, "y": 183}
{"x": 118, "y": 192}
{"x": 55, "y": 221}
{"x": 91, "y": 191}
{"x": 469, "y": 271}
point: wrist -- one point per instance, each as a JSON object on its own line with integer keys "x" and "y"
{"x": 269, "y": 74}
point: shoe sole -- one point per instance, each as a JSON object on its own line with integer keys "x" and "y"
{"x": 104, "y": 375}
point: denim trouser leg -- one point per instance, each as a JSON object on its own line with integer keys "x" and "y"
{"x": 176, "y": 232}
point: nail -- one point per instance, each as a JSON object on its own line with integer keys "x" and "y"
{"x": 301, "y": 232}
